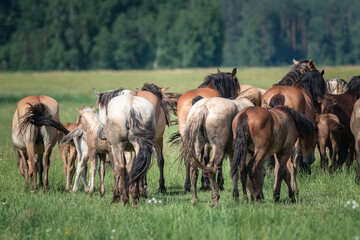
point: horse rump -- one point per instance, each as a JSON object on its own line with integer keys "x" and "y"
{"x": 36, "y": 115}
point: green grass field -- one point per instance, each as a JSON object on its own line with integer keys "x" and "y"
{"x": 320, "y": 212}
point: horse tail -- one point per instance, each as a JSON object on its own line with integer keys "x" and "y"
{"x": 240, "y": 144}
{"x": 334, "y": 125}
{"x": 277, "y": 100}
{"x": 143, "y": 136}
{"x": 175, "y": 139}
{"x": 196, "y": 99}
{"x": 77, "y": 132}
{"x": 171, "y": 100}
{"x": 194, "y": 128}
{"x": 36, "y": 115}
{"x": 302, "y": 123}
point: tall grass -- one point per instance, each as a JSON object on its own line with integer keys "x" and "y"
{"x": 320, "y": 212}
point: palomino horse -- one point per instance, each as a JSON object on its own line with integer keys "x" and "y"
{"x": 302, "y": 96}
{"x": 328, "y": 129}
{"x": 153, "y": 94}
{"x": 68, "y": 154}
{"x": 209, "y": 122}
{"x": 34, "y": 125}
{"x": 355, "y": 129}
{"x": 264, "y": 132}
{"x": 220, "y": 84}
{"x": 129, "y": 124}
{"x": 336, "y": 86}
{"x": 343, "y": 105}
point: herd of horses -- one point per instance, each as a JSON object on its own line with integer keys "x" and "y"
{"x": 279, "y": 126}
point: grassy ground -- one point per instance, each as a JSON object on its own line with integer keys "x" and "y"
{"x": 321, "y": 212}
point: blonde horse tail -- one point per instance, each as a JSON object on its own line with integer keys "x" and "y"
{"x": 37, "y": 115}
{"x": 143, "y": 136}
{"x": 240, "y": 145}
{"x": 194, "y": 128}
{"x": 77, "y": 132}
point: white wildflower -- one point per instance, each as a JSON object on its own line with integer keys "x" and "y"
{"x": 113, "y": 230}
{"x": 148, "y": 200}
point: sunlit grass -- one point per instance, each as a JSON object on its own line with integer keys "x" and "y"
{"x": 320, "y": 212}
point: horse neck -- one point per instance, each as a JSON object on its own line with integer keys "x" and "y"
{"x": 91, "y": 124}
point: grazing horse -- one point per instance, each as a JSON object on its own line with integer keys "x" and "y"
{"x": 209, "y": 122}
{"x": 68, "y": 154}
{"x": 303, "y": 96}
{"x": 355, "y": 129}
{"x": 336, "y": 86}
{"x": 343, "y": 105}
{"x": 264, "y": 132}
{"x": 129, "y": 124}
{"x": 328, "y": 129}
{"x": 34, "y": 125}
{"x": 220, "y": 84}
{"x": 153, "y": 94}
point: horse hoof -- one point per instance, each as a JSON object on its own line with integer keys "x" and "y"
{"x": 205, "y": 188}
{"x": 162, "y": 190}
{"x": 213, "y": 204}
{"x": 115, "y": 200}
{"x": 194, "y": 201}
{"x": 187, "y": 191}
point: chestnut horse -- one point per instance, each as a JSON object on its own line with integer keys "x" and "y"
{"x": 34, "y": 131}
{"x": 355, "y": 129}
{"x": 343, "y": 105}
{"x": 264, "y": 132}
{"x": 68, "y": 154}
{"x": 219, "y": 84}
{"x": 209, "y": 122}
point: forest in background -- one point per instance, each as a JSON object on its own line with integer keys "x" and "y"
{"x": 46, "y": 35}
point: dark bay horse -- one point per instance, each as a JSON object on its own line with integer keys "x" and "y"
{"x": 343, "y": 105}
{"x": 34, "y": 132}
{"x": 264, "y": 132}
{"x": 219, "y": 84}
{"x": 355, "y": 129}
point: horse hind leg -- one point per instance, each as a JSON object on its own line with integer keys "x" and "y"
{"x": 205, "y": 157}
{"x": 187, "y": 184}
{"x": 216, "y": 160}
{"x": 32, "y": 164}
{"x": 47, "y": 155}
{"x": 70, "y": 171}
{"x": 40, "y": 168}
{"x": 162, "y": 188}
{"x": 102, "y": 174}
{"x": 290, "y": 180}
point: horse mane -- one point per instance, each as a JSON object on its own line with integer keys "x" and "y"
{"x": 296, "y": 71}
{"x": 303, "y": 124}
{"x": 156, "y": 90}
{"x": 353, "y": 87}
{"x": 104, "y": 98}
{"x": 314, "y": 85}
{"x": 222, "y": 82}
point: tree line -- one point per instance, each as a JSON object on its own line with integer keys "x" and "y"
{"x": 134, "y": 34}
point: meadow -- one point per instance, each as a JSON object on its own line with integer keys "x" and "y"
{"x": 324, "y": 208}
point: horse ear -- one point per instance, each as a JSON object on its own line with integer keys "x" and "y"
{"x": 233, "y": 74}
{"x": 96, "y": 93}
{"x": 218, "y": 70}
{"x": 294, "y": 61}
{"x": 164, "y": 89}
{"x": 322, "y": 72}
{"x": 82, "y": 106}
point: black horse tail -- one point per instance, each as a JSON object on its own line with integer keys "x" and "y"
{"x": 240, "y": 144}
{"x": 303, "y": 125}
{"x": 277, "y": 100}
{"x": 143, "y": 136}
{"x": 194, "y": 128}
{"x": 77, "y": 132}
{"x": 37, "y": 115}
{"x": 175, "y": 139}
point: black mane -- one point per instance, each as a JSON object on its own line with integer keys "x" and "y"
{"x": 104, "y": 98}
{"x": 296, "y": 71}
{"x": 154, "y": 89}
{"x": 315, "y": 86}
{"x": 354, "y": 86}
{"x": 224, "y": 83}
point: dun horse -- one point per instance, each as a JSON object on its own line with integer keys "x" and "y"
{"x": 34, "y": 125}
{"x": 220, "y": 84}
{"x": 129, "y": 124}
{"x": 264, "y": 132}
{"x": 336, "y": 86}
{"x": 209, "y": 122}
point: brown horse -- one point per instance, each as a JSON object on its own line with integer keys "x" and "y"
{"x": 34, "y": 125}
{"x": 264, "y": 132}
{"x": 328, "y": 129}
{"x": 209, "y": 122}
{"x": 355, "y": 129}
{"x": 220, "y": 84}
{"x": 68, "y": 154}
{"x": 343, "y": 105}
